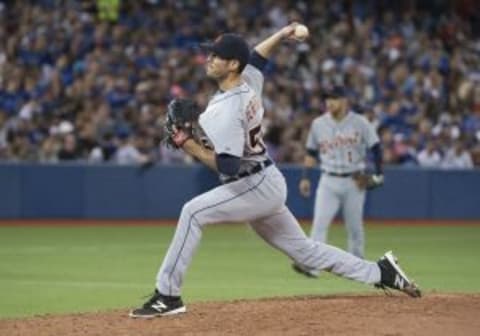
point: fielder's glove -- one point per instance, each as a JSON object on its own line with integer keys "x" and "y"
{"x": 368, "y": 181}
{"x": 182, "y": 116}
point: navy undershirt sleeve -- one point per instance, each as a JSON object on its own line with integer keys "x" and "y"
{"x": 257, "y": 60}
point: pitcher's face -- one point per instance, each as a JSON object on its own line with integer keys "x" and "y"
{"x": 218, "y": 68}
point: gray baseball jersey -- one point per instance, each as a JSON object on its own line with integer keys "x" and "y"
{"x": 232, "y": 123}
{"x": 342, "y": 146}
{"x": 232, "y": 120}
{"x": 342, "y": 149}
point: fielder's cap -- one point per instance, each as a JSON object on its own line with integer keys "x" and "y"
{"x": 335, "y": 92}
{"x": 229, "y": 47}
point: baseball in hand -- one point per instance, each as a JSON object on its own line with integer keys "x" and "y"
{"x": 301, "y": 32}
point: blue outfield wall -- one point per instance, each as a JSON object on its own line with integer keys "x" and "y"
{"x": 114, "y": 192}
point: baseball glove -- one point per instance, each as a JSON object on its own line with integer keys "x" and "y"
{"x": 182, "y": 116}
{"x": 367, "y": 181}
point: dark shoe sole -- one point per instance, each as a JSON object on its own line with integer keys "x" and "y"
{"x": 176, "y": 311}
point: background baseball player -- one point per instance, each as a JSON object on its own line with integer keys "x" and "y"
{"x": 340, "y": 140}
{"x": 253, "y": 189}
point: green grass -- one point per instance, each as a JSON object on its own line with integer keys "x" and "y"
{"x": 75, "y": 269}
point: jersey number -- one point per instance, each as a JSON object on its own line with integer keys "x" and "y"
{"x": 256, "y": 143}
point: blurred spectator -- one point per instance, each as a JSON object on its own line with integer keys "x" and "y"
{"x": 127, "y": 153}
{"x": 69, "y": 149}
{"x": 48, "y": 151}
{"x": 170, "y": 155}
{"x": 104, "y": 151}
{"x": 458, "y": 157}
{"x": 429, "y": 157}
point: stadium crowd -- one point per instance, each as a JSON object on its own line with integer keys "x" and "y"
{"x": 89, "y": 80}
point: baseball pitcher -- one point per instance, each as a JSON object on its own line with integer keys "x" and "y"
{"x": 253, "y": 190}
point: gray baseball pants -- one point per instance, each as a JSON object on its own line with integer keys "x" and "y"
{"x": 258, "y": 199}
{"x": 334, "y": 193}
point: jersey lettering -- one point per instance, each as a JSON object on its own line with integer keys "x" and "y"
{"x": 343, "y": 145}
{"x": 256, "y": 142}
{"x": 339, "y": 141}
{"x": 252, "y": 108}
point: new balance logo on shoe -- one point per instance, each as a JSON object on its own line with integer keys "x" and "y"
{"x": 159, "y": 305}
{"x": 399, "y": 281}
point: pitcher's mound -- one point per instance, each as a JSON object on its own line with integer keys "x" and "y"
{"x": 434, "y": 314}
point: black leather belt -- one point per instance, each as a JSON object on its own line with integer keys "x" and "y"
{"x": 255, "y": 169}
{"x": 339, "y": 174}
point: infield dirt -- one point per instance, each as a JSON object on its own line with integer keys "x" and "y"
{"x": 434, "y": 314}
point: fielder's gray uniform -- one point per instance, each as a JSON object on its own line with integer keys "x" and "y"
{"x": 232, "y": 122}
{"x": 342, "y": 148}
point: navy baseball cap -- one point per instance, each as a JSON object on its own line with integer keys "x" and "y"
{"x": 230, "y": 47}
{"x": 335, "y": 92}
